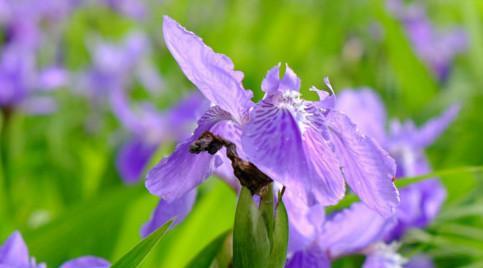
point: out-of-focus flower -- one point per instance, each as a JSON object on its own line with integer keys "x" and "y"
{"x": 25, "y": 21}
{"x": 317, "y": 240}
{"x": 436, "y": 47}
{"x": 117, "y": 66}
{"x": 87, "y": 262}
{"x": 14, "y": 253}
{"x": 301, "y": 144}
{"x": 23, "y": 85}
{"x": 149, "y": 128}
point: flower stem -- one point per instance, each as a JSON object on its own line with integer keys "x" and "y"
{"x": 5, "y": 183}
{"x": 247, "y": 173}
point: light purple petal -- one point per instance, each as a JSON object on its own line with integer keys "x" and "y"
{"x": 309, "y": 258}
{"x": 293, "y": 151}
{"x": 352, "y": 230}
{"x": 272, "y": 81}
{"x": 165, "y": 211}
{"x": 304, "y": 222}
{"x": 366, "y": 110}
{"x": 14, "y": 252}
{"x": 367, "y": 168}
{"x": 180, "y": 172}
{"x": 428, "y": 133}
{"x": 212, "y": 73}
{"x": 87, "y": 262}
{"x": 133, "y": 158}
{"x": 420, "y": 203}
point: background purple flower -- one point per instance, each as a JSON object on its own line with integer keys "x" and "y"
{"x": 436, "y": 47}
{"x": 86, "y": 262}
{"x": 14, "y": 253}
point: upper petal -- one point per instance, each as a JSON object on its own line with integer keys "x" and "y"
{"x": 287, "y": 143}
{"x": 272, "y": 82}
{"x": 367, "y": 168}
{"x": 366, "y": 110}
{"x": 165, "y": 211}
{"x": 86, "y": 262}
{"x": 211, "y": 72}
{"x": 180, "y": 172}
{"x": 352, "y": 230}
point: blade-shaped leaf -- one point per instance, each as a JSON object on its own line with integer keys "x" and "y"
{"x": 278, "y": 254}
{"x": 136, "y": 255}
{"x": 205, "y": 258}
{"x": 251, "y": 246}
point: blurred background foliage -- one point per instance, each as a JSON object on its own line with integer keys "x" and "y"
{"x": 69, "y": 200}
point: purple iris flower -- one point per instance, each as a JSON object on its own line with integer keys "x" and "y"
{"x": 437, "y": 48}
{"x": 14, "y": 254}
{"x": 307, "y": 146}
{"x": 87, "y": 262}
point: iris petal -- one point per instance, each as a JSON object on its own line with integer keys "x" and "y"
{"x": 294, "y": 152}
{"x": 367, "y": 168}
{"x": 211, "y": 72}
{"x": 180, "y": 172}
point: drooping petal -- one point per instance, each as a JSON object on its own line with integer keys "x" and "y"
{"x": 352, "y": 230}
{"x": 180, "y": 172}
{"x": 87, "y": 262}
{"x": 287, "y": 142}
{"x": 165, "y": 211}
{"x": 133, "y": 158}
{"x": 420, "y": 203}
{"x": 311, "y": 257}
{"x": 366, "y": 110}
{"x": 367, "y": 168}
{"x": 14, "y": 252}
{"x": 211, "y": 72}
{"x": 428, "y": 133}
{"x": 304, "y": 222}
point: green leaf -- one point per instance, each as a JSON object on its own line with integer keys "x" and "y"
{"x": 278, "y": 253}
{"x": 251, "y": 246}
{"x": 90, "y": 226}
{"x": 268, "y": 211}
{"x": 212, "y": 215}
{"x": 205, "y": 258}
{"x": 136, "y": 255}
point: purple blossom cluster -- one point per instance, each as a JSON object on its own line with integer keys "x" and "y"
{"x": 307, "y": 146}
